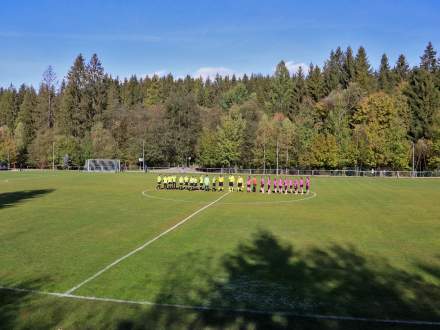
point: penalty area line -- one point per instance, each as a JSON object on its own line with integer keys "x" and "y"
{"x": 117, "y": 261}
{"x": 220, "y": 309}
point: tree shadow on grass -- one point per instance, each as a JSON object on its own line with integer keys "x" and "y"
{"x": 12, "y": 302}
{"x": 9, "y": 199}
{"x": 268, "y": 276}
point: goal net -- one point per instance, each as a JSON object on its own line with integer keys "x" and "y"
{"x": 102, "y": 165}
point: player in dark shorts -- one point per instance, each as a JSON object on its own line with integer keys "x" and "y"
{"x": 240, "y": 183}
{"x": 186, "y": 181}
{"x": 231, "y": 182}
{"x": 254, "y": 184}
{"x": 221, "y": 180}
{"x": 307, "y": 185}
{"x": 214, "y": 183}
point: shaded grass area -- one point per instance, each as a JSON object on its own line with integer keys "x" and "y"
{"x": 261, "y": 273}
{"x": 9, "y": 199}
{"x": 265, "y": 274}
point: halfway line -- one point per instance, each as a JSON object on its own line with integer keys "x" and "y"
{"x": 114, "y": 263}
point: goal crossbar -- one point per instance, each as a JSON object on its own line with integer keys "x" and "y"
{"x": 102, "y": 165}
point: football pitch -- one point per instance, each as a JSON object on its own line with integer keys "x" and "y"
{"x": 82, "y": 250}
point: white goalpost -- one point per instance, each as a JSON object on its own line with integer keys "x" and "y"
{"x": 102, "y": 165}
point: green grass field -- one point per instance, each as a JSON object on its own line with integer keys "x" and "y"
{"x": 355, "y": 247}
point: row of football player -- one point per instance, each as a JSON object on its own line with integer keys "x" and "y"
{"x": 275, "y": 185}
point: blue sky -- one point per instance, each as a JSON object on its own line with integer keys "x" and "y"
{"x": 202, "y": 37}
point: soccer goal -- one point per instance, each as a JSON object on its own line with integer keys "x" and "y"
{"x": 102, "y": 165}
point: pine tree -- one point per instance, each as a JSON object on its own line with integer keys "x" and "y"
{"x": 113, "y": 95}
{"x": 187, "y": 86}
{"x": 428, "y": 60}
{"x": 24, "y": 130}
{"x": 281, "y": 91}
{"x": 8, "y": 108}
{"x": 74, "y": 107}
{"x": 168, "y": 86}
{"x": 96, "y": 90}
{"x": 19, "y": 97}
{"x": 131, "y": 92}
{"x": 424, "y": 103}
{"x": 401, "y": 69}
{"x": 299, "y": 91}
{"x": 235, "y": 95}
{"x": 251, "y": 113}
{"x": 348, "y": 67}
{"x": 363, "y": 72}
{"x": 384, "y": 76}
{"x": 333, "y": 73}
{"x": 26, "y": 116}
{"x": 153, "y": 92}
{"x": 315, "y": 83}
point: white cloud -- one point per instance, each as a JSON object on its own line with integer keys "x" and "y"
{"x": 293, "y": 67}
{"x": 159, "y": 73}
{"x": 203, "y": 72}
{"x": 211, "y": 72}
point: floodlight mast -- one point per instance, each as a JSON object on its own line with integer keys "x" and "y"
{"x": 143, "y": 155}
{"x": 277, "y": 154}
{"x": 413, "y": 159}
{"x": 53, "y": 156}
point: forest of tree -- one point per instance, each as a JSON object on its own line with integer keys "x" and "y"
{"x": 342, "y": 115}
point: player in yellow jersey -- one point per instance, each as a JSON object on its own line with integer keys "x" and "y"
{"x": 194, "y": 183}
{"x": 214, "y": 183}
{"x": 231, "y": 182}
{"x": 201, "y": 182}
{"x": 240, "y": 183}
{"x": 221, "y": 180}
{"x": 186, "y": 181}
{"x": 159, "y": 182}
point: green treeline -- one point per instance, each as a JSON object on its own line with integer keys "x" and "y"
{"x": 343, "y": 115}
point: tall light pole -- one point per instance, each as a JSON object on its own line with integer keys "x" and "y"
{"x": 143, "y": 155}
{"x": 264, "y": 152}
{"x": 413, "y": 159}
{"x": 53, "y": 156}
{"x": 264, "y": 158}
{"x": 277, "y": 155}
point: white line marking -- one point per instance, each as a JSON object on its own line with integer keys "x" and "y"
{"x": 313, "y": 195}
{"x": 213, "y": 308}
{"x": 114, "y": 263}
